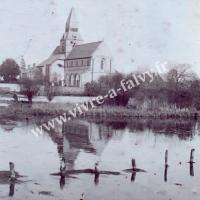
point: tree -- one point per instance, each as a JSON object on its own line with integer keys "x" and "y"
{"x": 104, "y": 85}
{"x": 29, "y": 88}
{"x": 178, "y": 81}
{"x": 92, "y": 89}
{"x": 9, "y": 70}
{"x": 178, "y": 76}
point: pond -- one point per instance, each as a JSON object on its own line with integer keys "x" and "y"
{"x": 112, "y": 145}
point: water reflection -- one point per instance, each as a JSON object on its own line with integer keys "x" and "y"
{"x": 96, "y": 178}
{"x": 80, "y": 144}
{"x": 62, "y": 182}
{"x": 12, "y": 189}
{"x": 73, "y": 137}
{"x": 191, "y": 169}
{"x": 184, "y": 129}
{"x": 165, "y": 173}
{"x": 133, "y": 176}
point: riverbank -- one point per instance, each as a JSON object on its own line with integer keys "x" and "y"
{"x": 23, "y": 110}
{"x": 36, "y": 110}
{"x": 116, "y": 112}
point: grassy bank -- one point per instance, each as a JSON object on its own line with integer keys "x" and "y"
{"x": 21, "y": 110}
{"x": 116, "y": 112}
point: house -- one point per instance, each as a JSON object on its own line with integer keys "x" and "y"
{"x": 73, "y": 63}
{"x": 27, "y": 71}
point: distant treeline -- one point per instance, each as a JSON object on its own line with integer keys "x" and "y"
{"x": 178, "y": 88}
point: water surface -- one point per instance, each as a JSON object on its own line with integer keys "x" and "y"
{"x": 113, "y": 145}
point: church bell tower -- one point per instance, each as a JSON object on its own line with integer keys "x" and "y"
{"x": 71, "y": 37}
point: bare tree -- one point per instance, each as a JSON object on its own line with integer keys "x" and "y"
{"x": 179, "y": 75}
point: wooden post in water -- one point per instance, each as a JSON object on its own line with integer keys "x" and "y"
{"x": 12, "y": 171}
{"x": 133, "y": 163}
{"x": 96, "y": 170}
{"x": 192, "y": 156}
{"x": 166, "y": 165}
{"x": 62, "y": 168}
{"x": 166, "y": 158}
{"x": 191, "y": 162}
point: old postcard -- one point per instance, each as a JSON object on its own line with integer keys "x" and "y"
{"x": 99, "y": 99}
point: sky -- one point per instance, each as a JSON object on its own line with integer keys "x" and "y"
{"x": 139, "y": 33}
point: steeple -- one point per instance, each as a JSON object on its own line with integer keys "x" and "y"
{"x": 71, "y": 36}
{"x": 72, "y": 22}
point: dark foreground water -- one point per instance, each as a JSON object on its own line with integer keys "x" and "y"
{"x": 113, "y": 145}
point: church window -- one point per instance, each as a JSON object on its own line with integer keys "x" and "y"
{"x": 71, "y": 80}
{"x": 77, "y": 80}
{"x": 88, "y": 62}
{"x": 102, "y": 63}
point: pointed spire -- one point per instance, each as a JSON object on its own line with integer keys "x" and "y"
{"x": 72, "y": 22}
{"x": 71, "y": 36}
{"x": 22, "y": 63}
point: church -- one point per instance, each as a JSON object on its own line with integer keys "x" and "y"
{"x": 73, "y": 63}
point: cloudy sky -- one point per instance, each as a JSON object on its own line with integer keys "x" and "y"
{"x": 138, "y": 32}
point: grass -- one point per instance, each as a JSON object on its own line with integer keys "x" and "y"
{"x": 21, "y": 110}
{"x": 124, "y": 112}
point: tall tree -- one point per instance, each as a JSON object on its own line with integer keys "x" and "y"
{"x": 9, "y": 70}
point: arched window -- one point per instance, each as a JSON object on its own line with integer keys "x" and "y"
{"x": 71, "y": 80}
{"x": 77, "y": 80}
{"x": 74, "y": 80}
{"x": 102, "y": 63}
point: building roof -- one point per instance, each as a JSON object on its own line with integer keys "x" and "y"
{"x": 83, "y": 50}
{"x": 52, "y": 58}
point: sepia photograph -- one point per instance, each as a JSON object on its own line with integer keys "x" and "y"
{"x": 99, "y": 99}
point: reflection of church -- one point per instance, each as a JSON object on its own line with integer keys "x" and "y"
{"x": 73, "y": 62}
{"x": 80, "y": 135}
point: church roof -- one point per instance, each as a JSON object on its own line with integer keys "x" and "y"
{"x": 52, "y": 58}
{"x": 83, "y": 50}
